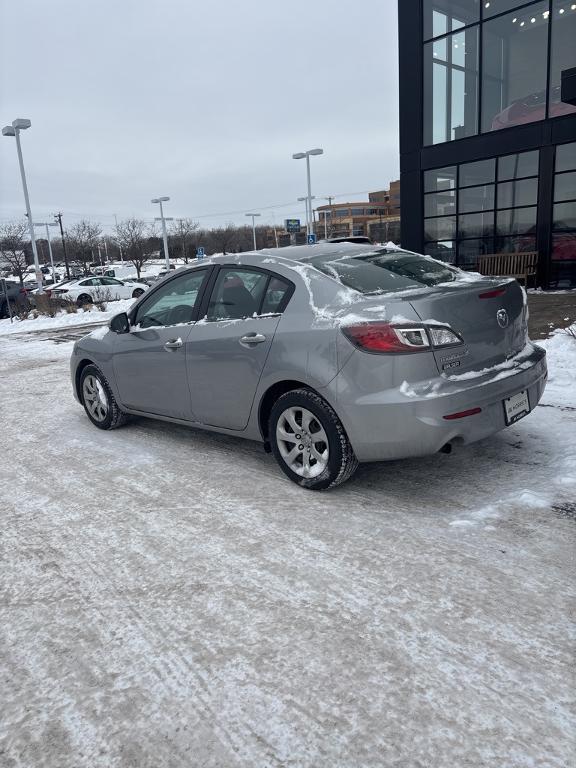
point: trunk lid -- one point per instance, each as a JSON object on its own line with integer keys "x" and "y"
{"x": 489, "y": 315}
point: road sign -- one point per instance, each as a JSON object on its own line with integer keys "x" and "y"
{"x": 292, "y": 225}
{"x": 311, "y": 239}
{"x": 200, "y": 252}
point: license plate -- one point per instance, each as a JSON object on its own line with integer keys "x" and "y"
{"x": 516, "y": 406}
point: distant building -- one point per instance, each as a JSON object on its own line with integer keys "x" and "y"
{"x": 377, "y": 218}
{"x": 487, "y": 136}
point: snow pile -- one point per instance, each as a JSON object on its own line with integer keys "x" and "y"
{"x": 561, "y": 356}
{"x": 64, "y": 319}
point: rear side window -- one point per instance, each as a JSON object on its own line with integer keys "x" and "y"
{"x": 384, "y": 271}
{"x": 275, "y": 296}
{"x": 237, "y": 294}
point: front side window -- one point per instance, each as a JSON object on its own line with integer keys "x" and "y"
{"x": 172, "y": 303}
{"x": 514, "y": 60}
{"x": 384, "y": 271}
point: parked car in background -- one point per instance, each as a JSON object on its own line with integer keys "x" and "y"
{"x": 91, "y": 289}
{"x": 328, "y": 354}
{"x": 14, "y": 299}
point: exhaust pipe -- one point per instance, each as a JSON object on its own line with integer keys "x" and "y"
{"x": 446, "y": 448}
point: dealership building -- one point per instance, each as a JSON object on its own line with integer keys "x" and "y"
{"x": 488, "y": 131}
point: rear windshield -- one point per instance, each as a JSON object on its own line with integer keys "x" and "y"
{"x": 384, "y": 271}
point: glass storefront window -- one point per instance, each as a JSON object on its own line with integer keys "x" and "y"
{"x": 481, "y": 172}
{"x": 565, "y": 186}
{"x": 564, "y": 216}
{"x": 440, "y": 179}
{"x": 443, "y": 228}
{"x": 476, "y": 199}
{"x": 515, "y": 193}
{"x": 440, "y": 203}
{"x": 564, "y": 246}
{"x": 445, "y": 251}
{"x": 470, "y": 250}
{"x": 451, "y": 87}
{"x": 516, "y": 221}
{"x": 562, "y": 54}
{"x": 518, "y": 166}
{"x": 516, "y": 244}
{"x": 494, "y": 7}
{"x": 476, "y": 225}
{"x": 442, "y": 16}
{"x": 515, "y": 58}
{"x": 566, "y": 157}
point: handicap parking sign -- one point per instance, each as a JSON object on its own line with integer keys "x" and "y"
{"x": 311, "y": 239}
{"x": 200, "y": 253}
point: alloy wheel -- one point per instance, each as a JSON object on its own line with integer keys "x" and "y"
{"x": 302, "y": 442}
{"x": 95, "y": 398}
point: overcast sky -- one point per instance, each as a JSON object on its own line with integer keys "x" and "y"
{"x": 203, "y": 101}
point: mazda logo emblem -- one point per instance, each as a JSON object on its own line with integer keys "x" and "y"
{"x": 502, "y": 318}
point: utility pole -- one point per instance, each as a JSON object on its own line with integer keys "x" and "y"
{"x": 58, "y": 217}
{"x": 180, "y": 222}
{"x": 329, "y": 198}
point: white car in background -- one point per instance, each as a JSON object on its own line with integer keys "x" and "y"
{"x": 89, "y": 290}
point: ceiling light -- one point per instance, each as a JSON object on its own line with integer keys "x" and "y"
{"x": 521, "y": 23}
{"x": 561, "y": 10}
{"x": 487, "y": 5}
{"x": 514, "y": 21}
{"x": 573, "y": 7}
{"x": 532, "y": 20}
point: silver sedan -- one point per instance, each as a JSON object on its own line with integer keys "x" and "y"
{"x": 329, "y": 355}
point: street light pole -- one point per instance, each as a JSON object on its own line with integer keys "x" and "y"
{"x": 253, "y": 215}
{"x": 161, "y": 200}
{"x": 308, "y": 202}
{"x": 301, "y": 156}
{"x": 20, "y": 124}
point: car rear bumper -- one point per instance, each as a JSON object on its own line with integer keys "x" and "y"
{"x": 409, "y": 420}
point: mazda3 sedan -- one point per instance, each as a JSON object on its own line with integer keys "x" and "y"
{"x": 328, "y": 354}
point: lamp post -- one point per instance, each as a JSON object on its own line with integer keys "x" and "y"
{"x": 48, "y": 224}
{"x": 161, "y": 200}
{"x": 301, "y": 156}
{"x": 20, "y": 124}
{"x": 253, "y": 215}
{"x": 308, "y": 208}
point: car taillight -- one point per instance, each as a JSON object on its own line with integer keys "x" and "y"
{"x": 387, "y": 337}
{"x": 384, "y": 337}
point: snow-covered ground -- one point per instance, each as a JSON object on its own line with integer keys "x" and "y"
{"x": 168, "y": 598}
{"x": 64, "y": 319}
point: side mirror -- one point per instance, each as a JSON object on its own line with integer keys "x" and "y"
{"x": 120, "y": 323}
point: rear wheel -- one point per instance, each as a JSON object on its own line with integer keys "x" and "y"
{"x": 99, "y": 401}
{"x": 84, "y": 299}
{"x": 309, "y": 441}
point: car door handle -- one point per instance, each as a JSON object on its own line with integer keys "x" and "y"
{"x": 253, "y": 338}
{"x": 173, "y": 344}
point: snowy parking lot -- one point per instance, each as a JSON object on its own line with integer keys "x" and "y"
{"x": 169, "y": 598}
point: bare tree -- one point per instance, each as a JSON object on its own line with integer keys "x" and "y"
{"x": 182, "y": 231}
{"x": 133, "y": 237}
{"x": 12, "y": 245}
{"x": 223, "y": 237}
{"x": 83, "y": 238}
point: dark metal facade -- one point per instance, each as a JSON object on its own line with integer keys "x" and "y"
{"x": 415, "y": 157}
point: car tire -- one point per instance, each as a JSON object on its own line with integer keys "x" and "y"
{"x": 93, "y": 382}
{"x": 137, "y": 292}
{"x": 83, "y": 299}
{"x": 320, "y": 456}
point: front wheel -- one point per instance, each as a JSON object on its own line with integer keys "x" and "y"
{"x": 309, "y": 441}
{"x": 99, "y": 401}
